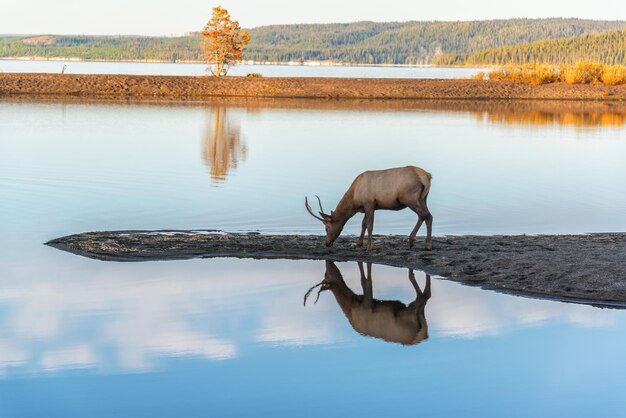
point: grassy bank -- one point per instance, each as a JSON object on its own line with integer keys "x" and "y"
{"x": 580, "y": 73}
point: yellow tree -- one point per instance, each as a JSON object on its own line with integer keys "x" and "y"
{"x": 223, "y": 42}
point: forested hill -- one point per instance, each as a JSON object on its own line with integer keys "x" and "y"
{"x": 360, "y": 42}
{"x": 109, "y": 48}
{"x": 407, "y": 43}
{"x": 606, "y": 48}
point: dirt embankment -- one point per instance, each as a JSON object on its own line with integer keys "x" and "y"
{"x": 580, "y": 268}
{"x": 201, "y": 87}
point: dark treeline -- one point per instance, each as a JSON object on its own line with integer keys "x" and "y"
{"x": 606, "y": 48}
{"x": 112, "y": 48}
{"x": 360, "y": 42}
{"x": 406, "y": 43}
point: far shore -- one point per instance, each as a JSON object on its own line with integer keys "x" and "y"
{"x": 151, "y": 87}
{"x": 286, "y": 63}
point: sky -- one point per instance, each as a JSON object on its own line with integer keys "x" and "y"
{"x": 161, "y": 17}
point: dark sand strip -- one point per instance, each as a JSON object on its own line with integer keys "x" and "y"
{"x": 202, "y": 87}
{"x": 577, "y": 268}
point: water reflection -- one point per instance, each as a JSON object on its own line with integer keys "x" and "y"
{"x": 223, "y": 122}
{"x": 538, "y": 113}
{"x": 501, "y": 112}
{"x": 389, "y": 320}
{"x": 131, "y": 317}
{"x": 223, "y": 147}
{"x": 604, "y": 117}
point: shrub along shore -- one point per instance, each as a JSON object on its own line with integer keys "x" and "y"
{"x": 203, "y": 87}
{"x": 581, "y": 73}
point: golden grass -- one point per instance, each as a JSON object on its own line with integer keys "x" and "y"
{"x": 533, "y": 74}
{"x": 581, "y": 73}
{"x": 478, "y": 76}
{"x": 614, "y": 75}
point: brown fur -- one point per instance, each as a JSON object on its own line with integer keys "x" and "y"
{"x": 390, "y": 320}
{"x": 391, "y": 189}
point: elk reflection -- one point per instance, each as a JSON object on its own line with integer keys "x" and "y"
{"x": 390, "y": 320}
{"x": 223, "y": 146}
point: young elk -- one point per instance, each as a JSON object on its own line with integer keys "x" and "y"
{"x": 391, "y": 189}
{"x": 390, "y": 320}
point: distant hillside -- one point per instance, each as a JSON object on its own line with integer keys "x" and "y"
{"x": 360, "y": 42}
{"x": 606, "y": 48}
{"x": 407, "y": 43}
{"x": 110, "y": 48}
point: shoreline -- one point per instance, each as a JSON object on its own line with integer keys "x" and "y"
{"x": 248, "y": 62}
{"x": 573, "y": 268}
{"x": 143, "y": 87}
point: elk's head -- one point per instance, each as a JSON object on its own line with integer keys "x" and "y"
{"x": 333, "y": 226}
{"x": 330, "y": 277}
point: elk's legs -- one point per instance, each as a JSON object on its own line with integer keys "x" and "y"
{"x": 368, "y": 223}
{"x": 429, "y": 233}
{"x": 423, "y": 214}
{"x": 366, "y": 285}
{"x": 359, "y": 243}
{"x": 420, "y": 221}
{"x": 370, "y": 226}
{"x": 426, "y": 293}
{"x": 416, "y": 286}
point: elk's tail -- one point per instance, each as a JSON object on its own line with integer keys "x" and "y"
{"x": 425, "y": 179}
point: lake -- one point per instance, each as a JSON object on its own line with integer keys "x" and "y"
{"x": 148, "y": 68}
{"x": 225, "y": 337}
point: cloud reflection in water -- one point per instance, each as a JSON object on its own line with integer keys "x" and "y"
{"x": 129, "y": 317}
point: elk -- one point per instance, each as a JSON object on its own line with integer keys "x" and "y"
{"x": 391, "y": 189}
{"x": 390, "y": 320}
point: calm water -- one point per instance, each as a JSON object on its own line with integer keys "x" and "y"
{"x": 78, "y": 67}
{"x": 226, "y": 337}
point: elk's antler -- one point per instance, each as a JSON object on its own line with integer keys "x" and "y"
{"x": 322, "y": 285}
{"x": 319, "y": 202}
{"x": 308, "y": 208}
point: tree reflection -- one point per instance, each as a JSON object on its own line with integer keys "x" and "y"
{"x": 223, "y": 146}
{"x": 389, "y": 320}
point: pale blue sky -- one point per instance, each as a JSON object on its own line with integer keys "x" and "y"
{"x": 160, "y": 17}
